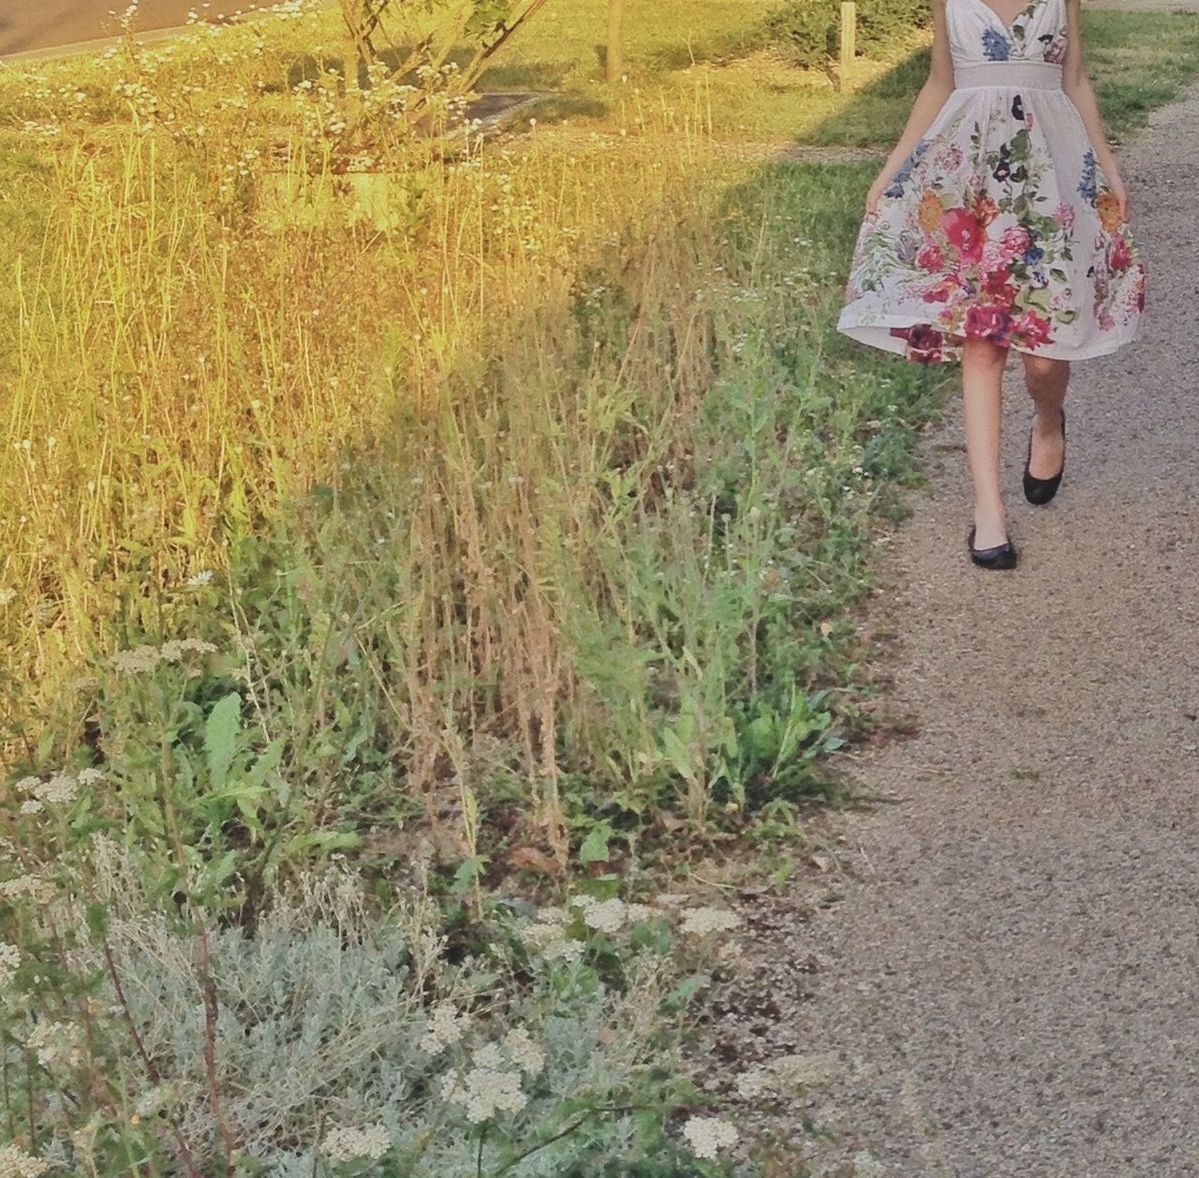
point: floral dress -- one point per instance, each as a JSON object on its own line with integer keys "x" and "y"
{"x": 1000, "y": 225}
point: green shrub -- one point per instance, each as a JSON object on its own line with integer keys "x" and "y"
{"x": 808, "y": 30}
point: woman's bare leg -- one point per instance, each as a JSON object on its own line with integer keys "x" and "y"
{"x": 1046, "y": 380}
{"x": 982, "y": 391}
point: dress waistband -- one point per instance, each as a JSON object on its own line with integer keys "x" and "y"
{"x": 1032, "y": 75}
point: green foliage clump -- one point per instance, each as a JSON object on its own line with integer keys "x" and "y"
{"x": 808, "y": 30}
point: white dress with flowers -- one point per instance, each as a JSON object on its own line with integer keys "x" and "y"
{"x": 1000, "y": 224}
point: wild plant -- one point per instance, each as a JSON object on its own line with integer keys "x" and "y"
{"x": 345, "y": 1039}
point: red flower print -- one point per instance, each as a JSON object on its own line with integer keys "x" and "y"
{"x": 998, "y": 284}
{"x": 1032, "y": 330}
{"x": 942, "y": 290}
{"x": 924, "y": 342}
{"x": 987, "y": 321}
{"x": 1121, "y": 257}
{"x": 930, "y": 256}
{"x": 963, "y": 231}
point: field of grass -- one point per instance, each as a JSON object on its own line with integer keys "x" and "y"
{"x": 399, "y": 538}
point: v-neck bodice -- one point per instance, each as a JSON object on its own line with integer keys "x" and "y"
{"x": 978, "y": 34}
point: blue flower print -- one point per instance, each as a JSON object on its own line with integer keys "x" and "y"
{"x": 1088, "y": 187}
{"x": 996, "y": 47}
{"x": 895, "y": 188}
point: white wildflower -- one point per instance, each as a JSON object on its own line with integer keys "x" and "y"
{"x": 523, "y": 1051}
{"x": 488, "y": 1056}
{"x": 565, "y": 949}
{"x": 55, "y": 1043}
{"x": 636, "y": 912}
{"x": 90, "y": 776}
{"x": 484, "y": 1092}
{"x": 551, "y": 942}
{"x": 31, "y": 886}
{"x": 203, "y": 577}
{"x": 134, "y": 660}
{"x": 582, "y": 900}
{"x": 146, "y": 658}
{"x": 27, "y": 784}
{"x": 446, "y": 1026}
{"x": 606, "y": 916}
{"x": 552, "y": 914}
{"x": 31, "y": 807}
{"x": 346, "y": 1144}
{"x": 15, "y": 1163}
{"x": 10, "y": 959}
{"x": 60, "y": 790}
{"x": 706, "y": 1136}
{"x": 173, "y": 650}
{"x": 710, "y": 920}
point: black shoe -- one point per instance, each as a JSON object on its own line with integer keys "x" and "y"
{"x": 1003, "y": 556}
{"x": 1040, "y": 491}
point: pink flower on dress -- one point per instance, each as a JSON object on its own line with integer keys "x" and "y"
{"x": 1032, "y": 330}
{"x": 930, "y": 256}
{"x": 1121, "y": 257}
{"x": 990, "y": 322}
{"x": 1064, "y": 215}
{"x": 963, "y": 231}
{"x": 1106, "y": 322}
{"x": 1016, "y": 240}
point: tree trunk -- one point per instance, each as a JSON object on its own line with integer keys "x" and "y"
{"x": 614, "y": 58}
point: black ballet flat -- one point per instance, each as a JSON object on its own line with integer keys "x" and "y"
{"x": 1041, "y": 491}
{"x": 1002, "y": 556}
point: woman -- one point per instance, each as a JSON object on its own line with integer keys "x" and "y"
{"x": 1000, "y": 222}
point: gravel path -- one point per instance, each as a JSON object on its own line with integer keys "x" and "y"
{"x": 1005, "y": 964}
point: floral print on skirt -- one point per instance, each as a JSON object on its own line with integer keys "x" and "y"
{"x": 1000, "y": 225}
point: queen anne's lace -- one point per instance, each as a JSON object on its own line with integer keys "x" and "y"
{"x": 709, "y": 920}
{"x": 16, "y": 1163}
{"x": 347, "y": 1144}
{"x": 707, "y": 1136}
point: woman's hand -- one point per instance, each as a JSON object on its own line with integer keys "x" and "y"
{"x": 876, "y": 192}
{"x": 1116, "y": 183}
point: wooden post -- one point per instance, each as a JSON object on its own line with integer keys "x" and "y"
{"x": 849, "y": 36}
{"x": 614, "y": 64}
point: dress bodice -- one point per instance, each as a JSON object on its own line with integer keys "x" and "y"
{"x": 978, "y": 34}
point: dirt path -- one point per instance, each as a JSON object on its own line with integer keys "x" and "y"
{"x": 1007, "y": 968}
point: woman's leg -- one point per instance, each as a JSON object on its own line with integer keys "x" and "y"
{"x": 1046, "y": 380}
{"x": 982, "y": 385}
